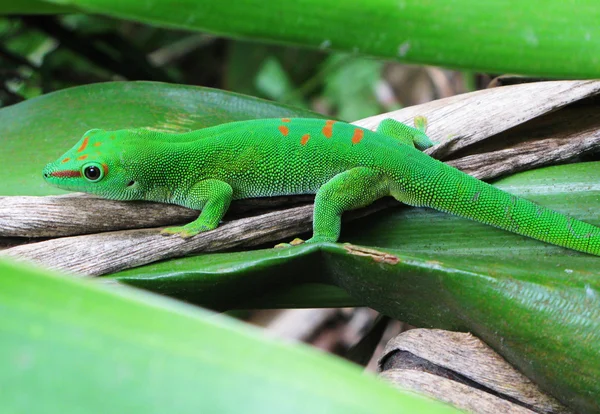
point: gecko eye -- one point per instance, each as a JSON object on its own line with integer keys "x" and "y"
{"x": 93, "y": 172}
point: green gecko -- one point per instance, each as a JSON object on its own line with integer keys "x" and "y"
{"x": 346, "y": 166}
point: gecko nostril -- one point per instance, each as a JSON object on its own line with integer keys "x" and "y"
{"x": 46, "y": 171}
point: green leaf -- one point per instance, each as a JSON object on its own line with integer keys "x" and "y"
{"x": 39, "y": 130}
{"x": 67, "y": 345}
{"x": 251, "y": 279}
{"x": 537, "y": 305}
{"x": 528, "y": 37}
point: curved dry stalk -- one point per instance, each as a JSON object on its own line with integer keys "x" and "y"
{"x": 460, "y": 369}
{"x": 78, "y": 213}
{"x": 510, "y": 113}
{"x": 464, "y": 120}
{"x": 101, "y": 253}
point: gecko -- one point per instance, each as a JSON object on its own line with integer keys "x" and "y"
{"x": 345, "y": 166}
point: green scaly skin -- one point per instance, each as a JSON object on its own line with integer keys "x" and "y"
{"x": 347, "y": 167}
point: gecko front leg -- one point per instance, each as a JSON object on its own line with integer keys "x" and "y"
{"x": 213, "y": 198}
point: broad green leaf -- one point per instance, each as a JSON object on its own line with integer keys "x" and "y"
{"x": 528, "y": 37}
{"x": 39, "y": 130}
{"x": 70, "y": 346}
{"x": 536, "y": 304}
{"x": 251, "y": 279}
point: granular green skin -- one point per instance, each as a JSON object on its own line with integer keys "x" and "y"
{"x": 346, "y": 166}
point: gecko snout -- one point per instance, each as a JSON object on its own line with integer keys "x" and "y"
{"x": 47, "y": 171}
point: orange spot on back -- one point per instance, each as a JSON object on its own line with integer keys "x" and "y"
{"x": 83, "y": 144}
{"x": 328, "y": 128}
{"x": 66, "y": 159}
{"x": 286, "y": 120}
{"x": 304, "y": 139}
{"x": 83, "y": 157}
{"x": 358, "y": 135}
{"x": 284, "y": 130}
{"x": 112, "y": 137}
{"x": 97, "y": 144}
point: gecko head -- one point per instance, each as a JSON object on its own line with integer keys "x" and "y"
{"x": 94, "y": 165}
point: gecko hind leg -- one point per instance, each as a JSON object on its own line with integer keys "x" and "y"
{"x": 415, "y": 137}
{"x": 349, "y": 190}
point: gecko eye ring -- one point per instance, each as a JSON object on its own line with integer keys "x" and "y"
{"x": 93, "y": 172}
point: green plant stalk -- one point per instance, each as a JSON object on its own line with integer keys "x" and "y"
{"x": 538, "y": 37}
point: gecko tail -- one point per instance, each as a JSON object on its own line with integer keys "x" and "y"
{"x": 465, "y": 196}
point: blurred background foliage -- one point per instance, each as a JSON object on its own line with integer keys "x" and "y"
{"x": 45, "y": 53}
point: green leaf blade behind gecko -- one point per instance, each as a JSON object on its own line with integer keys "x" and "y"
{"x": 536, "y": 304}
{"x": 41, "y": 129}
{"x": 529, "y": 37}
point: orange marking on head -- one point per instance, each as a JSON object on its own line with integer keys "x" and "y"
{"x": 328, "y": 128}
{"x": 358, "y": 135}
{"x": 112, "y": 137}
{"x": 66, "y": 159}
{"x": 97, "y": 144}
{"x": 105, "y": 168}
{"x": 286, "y": 120}
{"x": 83, "y": 157}
{"x": 83, "y": 144}
{"x": 284, "y": 130}
{"x": 305, "y": 139}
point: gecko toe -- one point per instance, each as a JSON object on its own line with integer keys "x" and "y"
{"x": 297, "y": 241}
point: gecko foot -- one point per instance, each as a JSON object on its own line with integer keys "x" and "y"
{"x": 180, "y": 231}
